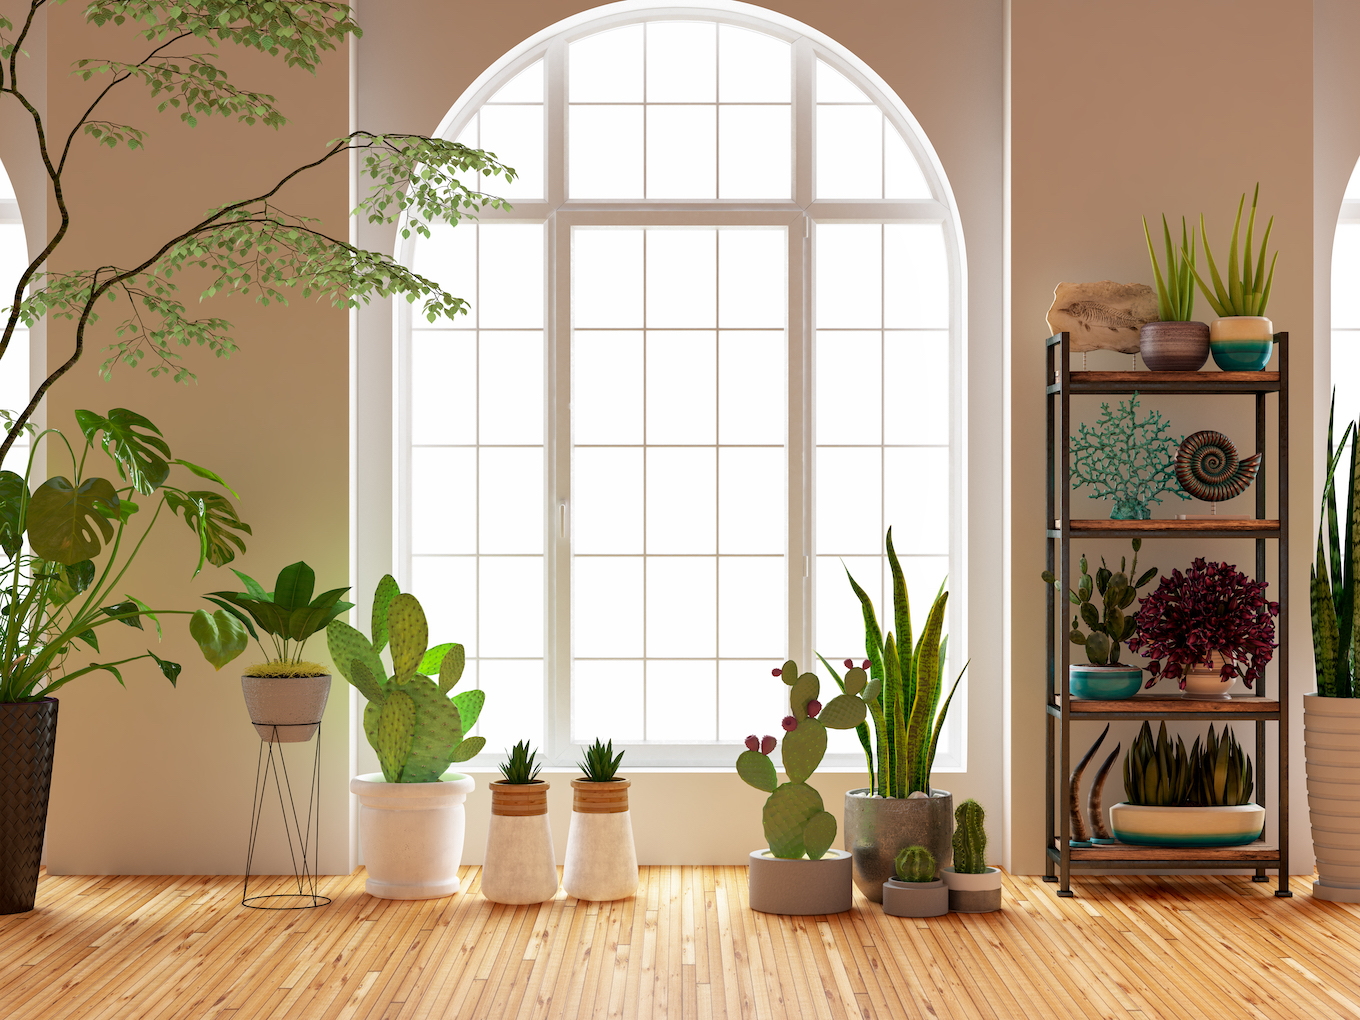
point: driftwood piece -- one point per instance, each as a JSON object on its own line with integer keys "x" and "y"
{"x": 1079, "y": 834}
{"x": 1094, "y": 808}
{"x": 1104, "y": 316}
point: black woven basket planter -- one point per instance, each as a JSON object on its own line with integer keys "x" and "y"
{"x": 28, "y": 737}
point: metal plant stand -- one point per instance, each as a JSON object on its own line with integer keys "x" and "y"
{"x": 1061, "y": 709}
{"x": 307, "y": 834}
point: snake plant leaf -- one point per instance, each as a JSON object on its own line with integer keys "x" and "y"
{"x": 346, "y": 644}
{"x": 927, "y": 695}
{"x": 929, "y": 763}
{"x": 396, "y": 731}
{"x": 170, "y": 670}
{"x": 386, "y": 591}
{"x": 220, "y": 636}
{"x": 803, "y": 749}
{"x": 819, "y": 834}
{"x": 409, "y": 635}
{"x": 134, "y": 444}
{"x": 451, "y": 665}
{"x": 64, "y": 523}
{"x": 757, "y": 770}
{"x": 13, "y": 492}
{"x": 901, "y": 604}
{"x": 873, "y": 634}
{"x": 894, "y": 718}
{"x": 469, "y": 705}
{"x": 212, "y": 518}
{"x": 293, "y": 589}
{"x": 469, "y": 748}
{"x": 1325, "y": 636}
{"x": 366, "y": 683}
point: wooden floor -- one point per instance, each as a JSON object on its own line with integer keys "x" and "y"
{"x": 686, "y": 947}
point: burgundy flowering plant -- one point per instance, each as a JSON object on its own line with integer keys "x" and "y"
{"x": 1212, "y": 607}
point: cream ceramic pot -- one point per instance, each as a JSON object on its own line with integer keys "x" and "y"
{"x": 411, "y": 834}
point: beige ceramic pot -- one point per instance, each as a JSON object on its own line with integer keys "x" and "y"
{"x": 1203, "y": 683}
{"x": 286, "y": 709}
{"x": 1331, "y": 758}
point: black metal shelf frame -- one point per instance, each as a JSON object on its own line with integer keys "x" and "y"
{"x": 1059, "y": 712}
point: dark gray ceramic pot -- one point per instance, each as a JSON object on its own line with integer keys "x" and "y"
{"x": 876, "y": 828}
{"x": 1174, "y": 346}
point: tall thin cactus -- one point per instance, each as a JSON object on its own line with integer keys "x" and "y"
{"x": 970, "y": 839}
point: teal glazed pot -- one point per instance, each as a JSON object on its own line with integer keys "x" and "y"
{"x": 1103, "y": 683}
{"x": 1241, "y": 343}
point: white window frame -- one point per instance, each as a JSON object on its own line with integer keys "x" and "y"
{"x": 801, "y": 215}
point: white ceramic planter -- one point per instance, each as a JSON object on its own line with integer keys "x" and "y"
{"x": 973, "y": 894}
{"x": 286, "y": 709}
{"x": 1331, "y": 758}
{"x": 519, "y": 866}
{"x": 411, "y": 834}
{"x": 800, "y": 886}
{"x": 601, "y": 861}
{"x": 1227, "y": 825}
{"x": 915, "y": 899}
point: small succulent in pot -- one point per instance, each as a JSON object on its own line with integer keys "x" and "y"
{"x": 1157, "y": 774}
{"x": 1211, "y": 608}
{"x": 1112, "y": 627}
{"x": 915, "y": 864}
{"x": 1221, "y": 771}
{"x": 599, "y": 763}
{"x": 519, "y": 766}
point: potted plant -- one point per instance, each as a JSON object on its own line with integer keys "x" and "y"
{"x": 974, "y": 888}
{"x": 799, "y": 872}
{"x": 285, "y": 695}
{"x": 601, "y": 861}
{"x": 1206, "y": 628}
{"x": 1241, "y": 337}
{"x": 1177, "y": 343}
{"x": 898, "y": 808}
{"x": 519, "y": 866}
{"x": 65, "y": 586}
{"x": 411, "y": 815}
{"x": 1331, "y": 714}
{"x": 1177, "y": 799}
{"x": 915, "y": 891}
{"x": 1103, "y": 677}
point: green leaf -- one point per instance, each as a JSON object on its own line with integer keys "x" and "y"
{"x": 469, "y": 748}
{"x": 469, "y": 705}
{"x": 429, "y": 663}
{"x": 212, "y": 518}
{"x": 241, "y": 617}
{"x": 171, "y": 670}
{"x": 386, "y": 591}
{"x": 365, "y": 682}
{"x": 12, "y": 494}
{"x": 210, "y": 475}
{"x": 89, "y": 638}
{"x": 346, "y": 644}
{"x": 64, "y": 523}
{"x": 309, "y": 619}
{"x": 757, "y": 770}
{"x": 253, "y": 587}
{"x": 121, "y": 612}
{"x": 220, "y": 637}
{"x": 293, "y": 589}
{"x": 271, "y": 618}
{"x": 142, "y": 457}
{"x": 451, "y": 671}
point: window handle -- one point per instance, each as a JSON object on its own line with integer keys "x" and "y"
{"x": 562, "y": 520}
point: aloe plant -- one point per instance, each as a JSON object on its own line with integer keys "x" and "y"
{"x": 1246, "y": 292}
{"x": 1156, "y": 774}
{"x": 909, "y": 682}
{"x": 599, "y": 763}
{"x": 1335, "y": 609}
{"x": 1175, "y": 291}
{"x": 519, "y": 766}
{"x": 1220, "y": 771}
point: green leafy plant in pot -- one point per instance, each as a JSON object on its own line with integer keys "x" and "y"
{"x": 902, "y": 697}
{"x": 601, "y": 859}
{"x": 285, "y": 695}
{"x": 1177, "y": 343}
{"x": 519, "y": 864}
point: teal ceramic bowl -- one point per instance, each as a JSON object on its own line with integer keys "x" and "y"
{"x": 1241, "y": 355}
{"x": 1104, "y": 683}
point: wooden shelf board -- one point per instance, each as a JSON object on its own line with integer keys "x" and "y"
{"x": 1237, "y": 704}
{"x": 1098, "y": 527}
{"x": 1172, "y": 382}
{"x": 1252, "y": 852}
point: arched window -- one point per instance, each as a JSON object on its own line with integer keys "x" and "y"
{"x": 14, "y": 382}
{"x": 1346, "y": 305}
{"x": 714, "y": 351}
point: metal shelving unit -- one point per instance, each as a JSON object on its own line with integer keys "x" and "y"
{"x": 1061, "y": 859}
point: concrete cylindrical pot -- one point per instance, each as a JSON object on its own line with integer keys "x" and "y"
{"x": 781, "y": 885}
{"x": 1174, "y": 346}
{"x": 286, "y": 709}
{"x": 519, "y": 866}
{"x": 1331, "y": 758}
{"x": 973, "y": 894}
{"x": 411, "y": 834}
{"x": 915, "y": 899}
{"x": 601, "y": 861}
{"x": 876, "y": 828}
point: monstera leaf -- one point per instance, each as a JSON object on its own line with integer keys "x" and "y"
{"x": 142, "y": 457}
{"x": 213, "y": 518}
{"x": 64, "y": 523}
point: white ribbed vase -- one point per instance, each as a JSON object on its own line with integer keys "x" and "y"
{"x": 1331, "y": 758}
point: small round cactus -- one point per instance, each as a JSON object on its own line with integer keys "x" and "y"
{"x": 767, "y": 744}
{"x": 790, "y": 723}
{"x": 813, "y": 707}
{"x": 753, "y": 742}
{"x": 915, "y": 864}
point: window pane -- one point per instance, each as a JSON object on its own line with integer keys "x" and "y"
{"x": 510, "y": 606}
{"x": 681, "y": 62}
{"x": 849, "y": 384}
{"x": 916, "y": 408}
{"x": 681, "y": 278}
{"x": 916, "y": 276}
{"x": 682, "y": 381}
{"x": 682, "y": 149}
{"x": 751, "y": 500}
{"x": 443, "y": 386}
{"x": 755, "y": 152}
{"x": 447, "y": 589}
{"x": 449, "y": 256}
{"x": 849, "y": 152}
{"x": 1346, "y": 377}
{"x": 606, "y": 701}
{"x": 848, "y": 495}
{"x": 753, "y": 275}
{"x": 607, "y": 500}
{"x": 751, "y": 385}
{"x": 605, "y": 151}
{"x": 1345, "y": 278}
{"x": 681, "y": 500}
{"x": 902, "y": 174}
{"x": 752, "y": 67}
{"x": 752, "y": 621}
{"x": 510, "y": 488}
{"x": 834, "y": 87}
{"x": 849, "y": 275}
{"x": 511, "y": 387}
{"x": 682, "y": 607}
{"x": 515, "y": 135}
{"x": 13, "y": 260}
{"x": 606, "y": 374}
{"x": 840, "y": 621}
{"x": 606, "y": 67}
{"x": 748, "y": 699}
{"x": 682, "y": 701}
{"x": 607, "y": 604}
{"x": 510, "y": 260}
{"x": 525, "y": 87}
{"x": 606, "y": 278}
{"x": 916, "y": 499}
{"x": 514, "y": 703}
{"x": 443, "y": 500}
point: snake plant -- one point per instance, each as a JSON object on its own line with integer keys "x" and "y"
{"x": 1334, "y": 606}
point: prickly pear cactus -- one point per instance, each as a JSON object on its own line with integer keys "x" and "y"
{"x": 970, "y": 839}
{"x": 796, "y": 823}
{"x": 411, "y": 721}
{"x": 915, "y": 864}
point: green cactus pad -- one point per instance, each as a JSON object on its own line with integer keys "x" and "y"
{"x": 451, "y": 668}
{"x": 433, "y": 657}
{"x": 789, "y": 673}
{"x": 871, "y": 690}
{"x": 408, "y": 634}
{"x": 819, "y": 834}
{"x": 786, "y": 815}
{"x": 469, "y": 748}
{"x": 396, "y": 729}
{"x": 469, "y": 705}
{"x": 757, "y": 770}
{"x": 805, "y": 689}
{"x": 386, "y": 591}
{"x": 438, "y": 730}
{"x": 855, "y": 680}
{"x": 843, "y": 712}
{"x": 372, "y": 712}
{"x": 803, "y": 749}
{"x": 346, "y": 644}
{"x": 364, "y": 681}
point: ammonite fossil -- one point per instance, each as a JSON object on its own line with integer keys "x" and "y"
{"x": 1207, "y": 467}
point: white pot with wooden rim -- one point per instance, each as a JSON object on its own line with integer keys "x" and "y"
{"x": 601, "y": 858}
{"x": 520, "y": 866}
{"x": 1205, "y": 682}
